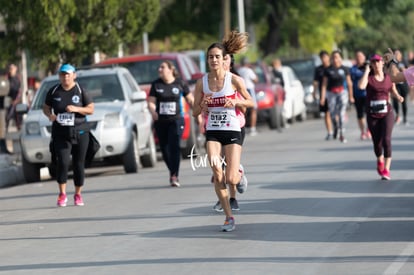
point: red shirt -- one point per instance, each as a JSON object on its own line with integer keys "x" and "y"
{"x": 378, "y": 90}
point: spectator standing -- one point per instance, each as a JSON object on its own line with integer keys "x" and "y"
{"x": 360, "y": 95}
{"x": 250, "y": 78}
{"x": 277, "y": 72}
{"x": 317, "y": 86}
{"x": 14, "y": 96}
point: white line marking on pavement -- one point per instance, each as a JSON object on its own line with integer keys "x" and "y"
{"x": 400, "y": 261}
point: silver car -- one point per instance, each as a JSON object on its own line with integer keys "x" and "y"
{"x": 121, "y": 123}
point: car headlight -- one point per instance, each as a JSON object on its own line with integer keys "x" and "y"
{"x": 113, "y": 120}
{"x": 260, "y": 95}
{"x": 32, "y": 128}
{"x": 308, "y": 89}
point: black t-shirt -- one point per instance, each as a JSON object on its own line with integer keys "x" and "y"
{"x": 318, "y": 75}
{"x": 278, "y": 77}
{"x": 59, "y": 99}
{"x": 14, "y": 86}
{"x": 169, "y": 103}
{"x": 336, "y": 76}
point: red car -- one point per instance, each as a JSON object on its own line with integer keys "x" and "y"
{"x": 144, "y": 68}
{"x": 270, "y": 97}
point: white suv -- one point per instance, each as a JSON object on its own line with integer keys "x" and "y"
{"x": 121, "y": 123}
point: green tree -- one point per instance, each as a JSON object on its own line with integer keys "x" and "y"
{"x": 71, "y": 30}
{"x": 389, "y": 24}
{"x": 310, "y": 25}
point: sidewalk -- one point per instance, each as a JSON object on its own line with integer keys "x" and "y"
{"x": 10, "y": 171}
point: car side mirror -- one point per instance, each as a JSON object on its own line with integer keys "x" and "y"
{"x": 138, "y": 96}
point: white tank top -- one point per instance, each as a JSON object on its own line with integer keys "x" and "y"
{"x": 219, "y": 117}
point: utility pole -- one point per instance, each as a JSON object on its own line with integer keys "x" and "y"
{"x": 240, "y": 12}
{"x": 226, "y": 17}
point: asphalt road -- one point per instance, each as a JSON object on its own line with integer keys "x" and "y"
{"x": 312, "y": 207}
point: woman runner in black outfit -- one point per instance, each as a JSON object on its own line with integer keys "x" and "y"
{"x": 67, "y": 105}
{"x": 167, "y": 112}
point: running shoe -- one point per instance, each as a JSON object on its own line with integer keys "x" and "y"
{"x": 380, "y": 167}
{"x": 342, "y": 139}
{"x": 78, "y": 200}
{"x": 329, "y": 137}
{"x": 385, "y": 175}
{"x": 217, "y": 207}
{"x": 229, "y": 225}
{"x": 335, "y": 133}
{"x": 242, "y": 185}
{"x": 234, "y": 204}
{"x": 174, "y": 181}
{"x": 62, "y": 200}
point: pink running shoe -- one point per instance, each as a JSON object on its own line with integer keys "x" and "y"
{"x": 78, "y": 200}
{"x": 385, "y": 175}
{"x": 62, "y": 200}
{"x": 380, "y": 167}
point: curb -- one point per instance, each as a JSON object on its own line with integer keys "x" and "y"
{"x": 10, "y": 173}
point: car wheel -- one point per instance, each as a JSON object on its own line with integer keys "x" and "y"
{"x": 149, "y": 159}
{"x": 130, "y": 158}
{"x": 31, "y": 171}
{"x": 191, "y": 141}
{"x": 275, "y": 117}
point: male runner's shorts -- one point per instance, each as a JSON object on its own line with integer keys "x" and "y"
{"x": 224, "y": 137}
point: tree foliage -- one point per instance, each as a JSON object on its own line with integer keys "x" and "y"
{"x": 71, "y": 30}
{"x": 311, "y": 25}
{"x": 389, "y": 24}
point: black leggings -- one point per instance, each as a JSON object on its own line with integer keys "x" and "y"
{"x": 169, "y": 136}
{"x": 403, "y": 91}
{"x": 64, "y": 148}
{"x": 381, "y": 129}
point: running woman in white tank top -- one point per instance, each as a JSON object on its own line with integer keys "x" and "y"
{"x": 217, "y": 96}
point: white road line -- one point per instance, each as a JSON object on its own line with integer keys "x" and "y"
{"x": 400, "y": 261}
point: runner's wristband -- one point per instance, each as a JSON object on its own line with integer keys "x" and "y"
{"x": 391, "y": 62}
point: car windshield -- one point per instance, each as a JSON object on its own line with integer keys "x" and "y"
{"x": 145, "y": 71}
{"x": 304, "y": 69}
{"x": 260, "y": 74}
{"x": 102, "y": 88}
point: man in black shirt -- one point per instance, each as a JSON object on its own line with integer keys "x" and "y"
{"x": 317, "y": 86}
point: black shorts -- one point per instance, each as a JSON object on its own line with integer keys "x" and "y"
{"x": 324, "y": 108}
{"x": 360, "y": 106}
{"x": 225, "y": 137}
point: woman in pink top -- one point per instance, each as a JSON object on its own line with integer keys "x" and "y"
{"x": 380, "y": 115}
